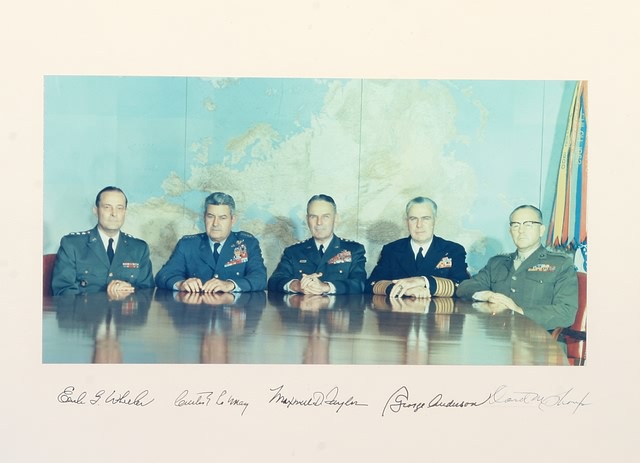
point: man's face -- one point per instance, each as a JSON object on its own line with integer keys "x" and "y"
{"x": 321, "y": 218}
{"x": 526, "y": 237}
{"x": 110, "y": 212}
{"x": 421, "y": 222}
{"x": 218, "y": 222}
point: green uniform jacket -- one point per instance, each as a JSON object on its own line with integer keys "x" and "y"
{"x": 545, "y": 286}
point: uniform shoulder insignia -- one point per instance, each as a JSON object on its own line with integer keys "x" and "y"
{"x": 245, "y": 234}
{"x": 86, "y": 232}
{"x": 187, "y": 237}
{"x": 556, "y": 254}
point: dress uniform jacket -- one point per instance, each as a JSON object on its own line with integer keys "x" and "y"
{"x": 444, "y": 265}
{"x": 239, "y": 260}
{"x": 545, "y": 285}
{"x": 343, "y": 265}
{"x": 82, "y": 265}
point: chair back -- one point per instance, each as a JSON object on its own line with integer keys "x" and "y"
{"x": 48, "y": 260}
{"x": 580, "y": 323}
{"x": 577, "y": 346}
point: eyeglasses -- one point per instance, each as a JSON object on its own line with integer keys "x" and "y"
{"x": 526, "y": 225}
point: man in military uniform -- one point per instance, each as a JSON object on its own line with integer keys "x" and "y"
{"x": 103, "y": 258}
{"x": 218, "y": 260}
{"x": 537, "y": 283}
{"x": 421, "y": 265}
{"x": 324, "y": 263}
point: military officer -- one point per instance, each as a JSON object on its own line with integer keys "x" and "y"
{"x": 324, "y": 263}
{"x": 103, "y": 258}
{"x": 218, "y": 260}
{"x": 421, "y": 265}
{"x": 537, "y": 283}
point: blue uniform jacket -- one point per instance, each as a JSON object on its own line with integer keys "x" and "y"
{"x": 82, "y": 265}
{"x": 343, "y": 265}
{"x": 240, "y": 260}
{"x": 444, "y": 259}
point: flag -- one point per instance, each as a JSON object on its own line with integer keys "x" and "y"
{"x": 568, "y": 221}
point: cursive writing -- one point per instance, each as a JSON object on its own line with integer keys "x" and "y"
{"x": 117, "y": 398}
{"x": 66, "y": 396}
{"x": 201, "y": 398}
{"x": 114, "y": 398}
{"x": 227, "y": 399}
{"x": 316, "y": 399}
{"x": 438, "y": 401}
{"x": 399, "y": 401}
{"x": 503, "y": 395}
{"x": 204, "y": 399}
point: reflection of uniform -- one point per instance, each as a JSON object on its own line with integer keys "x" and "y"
{"x": 342, "y": 265}
{"x": 545, "y": 285}
{"x": 444, "y": 266}
{"x": 240, "y": 260}
{"x": 82, "y": 265}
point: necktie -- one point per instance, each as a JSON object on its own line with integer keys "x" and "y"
{"x": 419, "y": 257}
{"x": 110, "y": 251}
{"x": 216, "y": 247}
{"x": 321, "y": 250}
{"x": 517, "y": 261}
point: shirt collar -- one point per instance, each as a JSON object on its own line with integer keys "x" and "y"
{"x": 416, "y": 247}
{"x": 326, "y": 243}
{"x": 105, "y": 239}
{"x": 212, "y": 243}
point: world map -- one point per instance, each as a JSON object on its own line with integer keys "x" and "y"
{"x": 272, "y": 143}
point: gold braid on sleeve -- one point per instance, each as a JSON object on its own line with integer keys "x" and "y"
{"x": 380, "y": 287}
{"x": 444, "y": 287}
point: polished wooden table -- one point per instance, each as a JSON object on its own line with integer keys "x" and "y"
{"x": 159, "y": 326}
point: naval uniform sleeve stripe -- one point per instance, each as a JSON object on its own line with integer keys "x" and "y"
{"x": 444, "y": 287}
{"x": 380, "y": 287}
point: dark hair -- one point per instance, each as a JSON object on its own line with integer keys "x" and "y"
{"x": 111, "y": 188}
{"x": 527, "y": 206}
{"x": 220, "y": 199}
{"x": 422, "y": 200}
{"x": 322, "y": 197}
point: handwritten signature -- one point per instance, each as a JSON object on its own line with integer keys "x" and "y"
{"x": 316, "y": 399}
{"x": 503, "y": 395}
{"x": 68, "y": 396}
{"x": 204, "y": 398}
{"x": 399, "y": 401}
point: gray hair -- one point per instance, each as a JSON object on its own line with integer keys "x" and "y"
{"x": 527, "y": 206}
{"x": 322, "y": 197}
{"x": 422, "y": 200}
{"x": 220, "y": 199}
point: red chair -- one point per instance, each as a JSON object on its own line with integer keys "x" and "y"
{"x": 576, "y": 335}
{"x": 48, "y": 260}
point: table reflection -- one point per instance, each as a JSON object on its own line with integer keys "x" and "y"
{"x": 100, "y": 317}
{"x": 214, "y": 317}
{"x": 160, "y": 326}
{"x": 320, "y": 318}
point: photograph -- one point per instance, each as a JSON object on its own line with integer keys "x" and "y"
{"x": 314, "y": 221}
{"x": 310, "y": 231}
